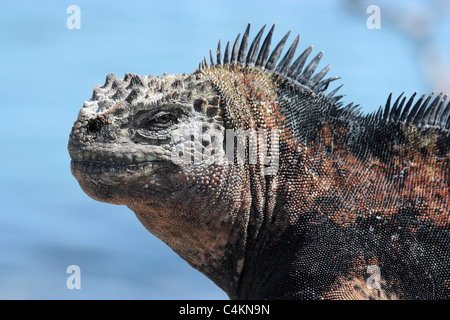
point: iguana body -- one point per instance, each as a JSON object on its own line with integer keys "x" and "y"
{"x": 342, "y": 191}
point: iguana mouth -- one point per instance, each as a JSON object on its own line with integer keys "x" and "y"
{"x": 93, "y": 167}
{"x": 104, "y": 160}
{"x": 131, "y": 165}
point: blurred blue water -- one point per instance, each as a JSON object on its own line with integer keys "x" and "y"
{"x": 46, "y": 72}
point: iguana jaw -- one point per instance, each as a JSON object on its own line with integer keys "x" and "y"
{"x": 114, "y": 164}
{"x": 115, "y": 183}
{"x": 113, "y": 172}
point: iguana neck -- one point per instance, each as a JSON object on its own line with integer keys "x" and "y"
{"x": 208, "y": 229}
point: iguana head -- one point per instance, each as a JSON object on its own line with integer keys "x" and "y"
{"x": 124, "y": 141}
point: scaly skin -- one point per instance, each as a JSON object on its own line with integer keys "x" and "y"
{"x": 341, "y": 191}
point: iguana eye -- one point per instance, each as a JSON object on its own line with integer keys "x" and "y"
{"x": 165, "y": 118}
{"x": 160, "y": 121}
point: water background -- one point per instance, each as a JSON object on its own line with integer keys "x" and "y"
{"x": 46, "y": 72}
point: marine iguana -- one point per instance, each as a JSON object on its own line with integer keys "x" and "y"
{"x": 331, "y": 195}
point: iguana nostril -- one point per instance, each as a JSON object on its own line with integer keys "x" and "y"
{"x": 94, "y": 125}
